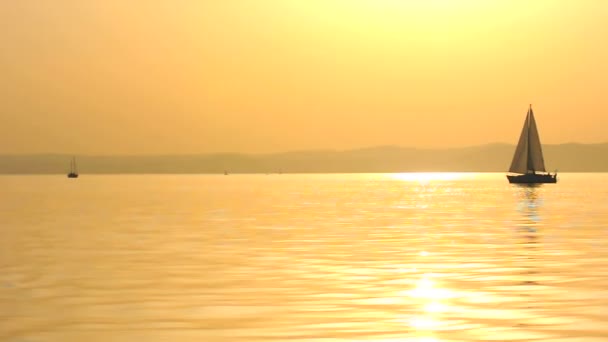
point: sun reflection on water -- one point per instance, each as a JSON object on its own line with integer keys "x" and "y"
{"x": 427, "y": 289}
{"x": 431, "y": 299}
{"x": 435, "y": 307}
{"x": 425, "y": 177}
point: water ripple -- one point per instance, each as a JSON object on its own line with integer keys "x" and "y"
{"x": 303, "y": 258}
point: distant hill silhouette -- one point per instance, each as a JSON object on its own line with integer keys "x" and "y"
{"x": 570, "y": 157}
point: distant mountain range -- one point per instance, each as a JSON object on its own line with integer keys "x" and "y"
{"x": 485, "y": 158}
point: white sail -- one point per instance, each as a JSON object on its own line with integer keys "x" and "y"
{"x": 536, "y": 161}
{"x": 528, "y": 155}
{"x": 520, "y": 158}
{"x": 73, "y": 168}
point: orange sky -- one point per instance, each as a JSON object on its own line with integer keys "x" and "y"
{"x": 179, "y": 76}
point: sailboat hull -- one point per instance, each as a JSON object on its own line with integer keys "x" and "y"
{"x": 72, "y": 175}
{"x": 532, "y": 178}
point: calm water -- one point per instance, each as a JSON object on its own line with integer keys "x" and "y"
{"x": 379, "y": 257}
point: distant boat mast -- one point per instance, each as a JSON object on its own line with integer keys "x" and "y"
{"x": 73, "y": 169}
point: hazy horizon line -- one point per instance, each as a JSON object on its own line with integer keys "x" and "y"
{"x": 144, "y": 154}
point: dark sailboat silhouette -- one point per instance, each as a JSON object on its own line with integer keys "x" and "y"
{"x": 73, "y": 169}
{"x": 528, "y": 165}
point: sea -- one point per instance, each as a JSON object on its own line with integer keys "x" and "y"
{"x": 424, "y": 257}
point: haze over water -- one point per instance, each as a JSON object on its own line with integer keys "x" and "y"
{"x": 356, "y": 257}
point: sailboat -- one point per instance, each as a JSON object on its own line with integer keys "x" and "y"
{"x": 73, "y": 170}
{"x": 528, "y": 165}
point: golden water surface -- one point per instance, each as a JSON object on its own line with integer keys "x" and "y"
{"x": 371, "y": 257}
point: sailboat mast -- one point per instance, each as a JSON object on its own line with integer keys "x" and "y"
{"x": 530, "y": 162}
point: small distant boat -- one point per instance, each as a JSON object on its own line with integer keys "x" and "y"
{"x": 225, "y": 173}
{"x": 73, "y": 169}
{"x": 528, "y": 165}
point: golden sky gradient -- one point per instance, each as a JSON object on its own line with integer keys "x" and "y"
{"x": 179, "y": 76}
